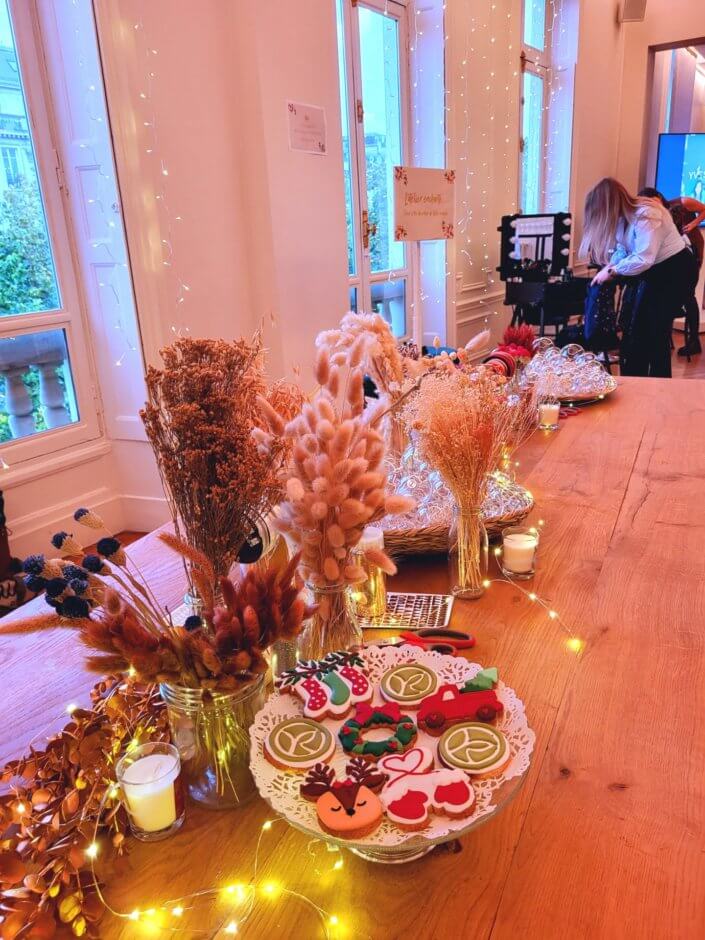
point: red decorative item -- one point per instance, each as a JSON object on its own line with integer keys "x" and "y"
{"x": 449, "y": 705}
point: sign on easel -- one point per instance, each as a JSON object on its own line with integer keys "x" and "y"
{"x": 424, "y": 204}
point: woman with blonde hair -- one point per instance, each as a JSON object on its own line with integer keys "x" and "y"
{"x": 635, "y": 238}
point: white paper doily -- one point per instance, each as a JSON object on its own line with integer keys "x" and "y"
{"x": 281, "y": 788}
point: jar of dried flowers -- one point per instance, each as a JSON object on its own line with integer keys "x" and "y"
{"x": 333, "y": 626}
{"x": 211, "y": 731}
{"x": 210, "y": 670}
{"x": 468, "y": 551}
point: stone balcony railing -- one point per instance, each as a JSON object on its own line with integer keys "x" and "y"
{"x": 45, "y": 351}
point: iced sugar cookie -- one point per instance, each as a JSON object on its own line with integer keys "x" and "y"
{"x": 414, "y": 789}
{"x": 402, "y": 731}
{"x": 451, "y": 705}
{"x": 408, "y": 684}
{"x": 328, "y": 687}
{"x": 348, "y": 808}
{"x": 298, "y": 744}
{"x": 476, "y": 748}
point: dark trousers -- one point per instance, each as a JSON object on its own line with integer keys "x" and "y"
{"x": 646, "y": 342}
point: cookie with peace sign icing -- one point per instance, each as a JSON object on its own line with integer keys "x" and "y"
{"x": 408, "y": 684}
{"x": 475, "y": 747}
{"x": 298, "y": 744}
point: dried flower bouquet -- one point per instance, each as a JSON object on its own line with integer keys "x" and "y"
{"x": 202, "y": 407}
{"x": 335, "y": 486}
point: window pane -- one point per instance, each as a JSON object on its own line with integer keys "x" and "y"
{"x": 532, "y": 134}
{"x": 27, "y": 276}
{"x": 389, "y": 301}
{"x": 379, "y": 60}
{"x": 352, "y": 295}
{"x": 36, "y": 387}
{"x": 535, "y": 23}
{"x": 345, "y": 122}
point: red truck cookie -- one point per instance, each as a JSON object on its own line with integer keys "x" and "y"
{"x": 450, "y": 705}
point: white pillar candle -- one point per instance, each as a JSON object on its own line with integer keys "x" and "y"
{"x": 519, "y": 549}
{"x": 548, "y": 414}
{"x": 148, "y": 785}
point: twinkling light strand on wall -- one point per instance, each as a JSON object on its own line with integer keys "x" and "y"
{"x": 106, "y": 200}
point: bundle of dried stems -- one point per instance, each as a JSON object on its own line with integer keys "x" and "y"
{"x": 335, "y": 485}
{"x": 202, "y": 407}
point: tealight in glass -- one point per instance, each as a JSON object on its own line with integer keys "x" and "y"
{"x": 152, "y": 790}
{"x": 519, "y": 547}
{"x": 549, "y": 413}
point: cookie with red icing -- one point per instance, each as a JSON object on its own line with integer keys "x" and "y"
{"x": 415, "y": 789}
{"x": 450, "y": 705}
{"x": 328, "y": 687}
{"x": 348, "y": 808}
{"x": 402, "y": 731}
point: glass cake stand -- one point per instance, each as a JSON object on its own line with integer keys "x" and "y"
{"x": 390, "y": 844}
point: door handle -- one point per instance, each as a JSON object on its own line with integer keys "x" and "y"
{"x": 368, "y": 229}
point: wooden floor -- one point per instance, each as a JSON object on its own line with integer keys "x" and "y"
{"x": 682, "y": 369}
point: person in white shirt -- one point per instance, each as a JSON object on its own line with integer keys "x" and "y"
{"x": 636, "y": 238}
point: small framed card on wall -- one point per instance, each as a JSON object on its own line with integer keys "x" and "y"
{"x": 307, "y": 127}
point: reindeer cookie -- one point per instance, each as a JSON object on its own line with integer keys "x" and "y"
{"x": 347, "y": 808}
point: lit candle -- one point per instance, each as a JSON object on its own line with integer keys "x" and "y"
{"x": 519, "y": 552}
{"x": 548, "y": 415}
{"x": 149, "y": 778}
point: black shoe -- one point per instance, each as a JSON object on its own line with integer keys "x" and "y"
{"x": 693, "y": 348}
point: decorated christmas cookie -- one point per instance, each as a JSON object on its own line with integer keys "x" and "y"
{"x": 353, "y": 733}
{"x": 484, "y": 680}
{"x": 414, "y": 789}
{"x": 408, "y": 684}
{"x": 298, "y": 744}
{"x": 449, "y": 705}
{"x": 328, "y": 687}
{"x": 474, "y": 747}
{"x": 347, "y": 808}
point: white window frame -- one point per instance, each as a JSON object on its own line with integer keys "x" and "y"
{"x": 539, "y": 63}
{"x": 363, "y": 279}
{"x": 70, "y": 316}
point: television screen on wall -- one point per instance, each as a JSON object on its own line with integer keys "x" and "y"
{"x": 680, "y": 170}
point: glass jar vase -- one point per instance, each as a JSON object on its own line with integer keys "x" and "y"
{"x": 211, "y": 731}
{"x": 468, "y": 553}
{"x": 333, "y": 626}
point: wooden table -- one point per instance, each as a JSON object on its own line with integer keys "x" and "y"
{"x": 606, "y": 839}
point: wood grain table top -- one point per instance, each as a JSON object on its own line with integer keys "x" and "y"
{"x": 606, "y": 839}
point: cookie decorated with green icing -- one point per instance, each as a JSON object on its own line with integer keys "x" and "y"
{"x": 408, "y": 684}
{"x": 475, "y": 747}
{"x": 403, "y": 731}
{"x": 483, "y": 681}
{"x": 298, "y": 744}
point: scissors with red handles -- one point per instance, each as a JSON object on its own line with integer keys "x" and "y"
{"x": 439, "y": 640}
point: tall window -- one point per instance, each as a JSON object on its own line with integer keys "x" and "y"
{"x": 549, "y": 51}
{"x": 45, "y": 388}
{"x": 372, "y": 53}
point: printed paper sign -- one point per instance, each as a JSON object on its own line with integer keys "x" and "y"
{"x": 307, "y": 127}
{"x": 424, "y": 201}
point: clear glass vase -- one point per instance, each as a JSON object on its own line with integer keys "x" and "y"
{"x": 211, "y": 732}
{"x": 333, "y": 626}
{"x": 468, "y": 553}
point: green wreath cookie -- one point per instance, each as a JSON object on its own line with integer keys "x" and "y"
{"x": 383, "y": 716}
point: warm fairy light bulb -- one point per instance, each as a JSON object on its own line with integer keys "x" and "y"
{"x": 333, "y": 920}
{"x": 134, "y": 915}
{"x": 486, "y": 583}
{"x": 498, "y": 552}
{"x": 132, "y": 672}
{"x": 267, "y": 825}
{"x": 71, "y": 708}
{"x": 575, "y": 644}
{"x": 532, "y": 596}
{"x": 338, "y": 865}
{"x": 21, "y": 808}
{"x": 541, "y": 522}
{"x": 231, "y": 927}
{"x": 552, "y": 614}
{"x": 92, "y": 850}
{"x": 271, "y": 889}
{"x": 177, "y": 911}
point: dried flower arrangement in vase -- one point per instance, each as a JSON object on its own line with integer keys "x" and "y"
{"x": 463, "y": 421}
{"x": 335, "y": 486}
{"x": 202, "y": 407}
{"x": 210, "y": 670}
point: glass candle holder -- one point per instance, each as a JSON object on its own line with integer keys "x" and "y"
{"x": 150, "y": 781}
{"x": 519, "y": 547}
{"x": 549, "y": 412}
{"x": 370, "y": 596}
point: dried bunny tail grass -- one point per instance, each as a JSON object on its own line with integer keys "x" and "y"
{"x": 37, "y": 622}
{"x": 322, "y": 366}
{"x": 188, "y": 551}
{"x": 274, "y": 420}
{"x": 381, "y": 559}
{"x": 399, "y": 505}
